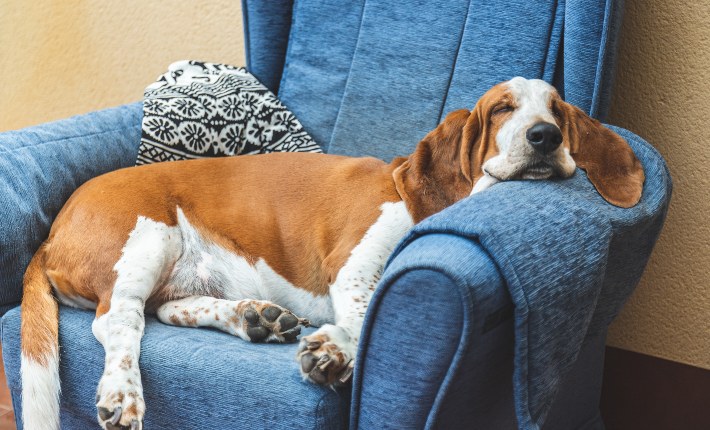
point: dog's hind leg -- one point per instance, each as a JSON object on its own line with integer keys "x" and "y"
{"x": 147, "y": 257}
{"x": 252, "y": 320}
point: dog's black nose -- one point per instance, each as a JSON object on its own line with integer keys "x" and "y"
{"x": 544, "y": 137}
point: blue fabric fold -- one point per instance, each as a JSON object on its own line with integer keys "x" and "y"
{"x": 569, "y": 260}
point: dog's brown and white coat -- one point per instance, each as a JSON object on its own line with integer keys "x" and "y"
{"x": 282, "y": 235}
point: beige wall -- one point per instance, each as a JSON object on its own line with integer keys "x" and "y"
{"x": 663, "y": 93}
{"x": 62, "y": 58}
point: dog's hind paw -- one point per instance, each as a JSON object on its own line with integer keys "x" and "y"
{"x": 267, "y": 322}
{"x": 119, "y": 409}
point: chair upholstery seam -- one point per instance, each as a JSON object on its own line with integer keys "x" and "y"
{"x": 289, "y": 46}
{"x": 245, "y": 23}
{"x": 49, "y": 142}
{"x": 456, "y": 59}
{"x": 599, "y": 72}
{"x": 548, "y": 52}
{"x": 347, "y": 81}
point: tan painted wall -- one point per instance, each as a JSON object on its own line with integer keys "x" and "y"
{"x": 663, "y": 93}
{"x": 62, "y": 58}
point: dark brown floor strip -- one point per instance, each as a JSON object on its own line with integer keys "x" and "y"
{"x": 649, "y": 393}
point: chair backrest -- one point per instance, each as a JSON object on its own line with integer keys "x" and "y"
{"x": 372, "y": 77}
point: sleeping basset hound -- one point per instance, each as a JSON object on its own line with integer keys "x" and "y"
{"x": 287, "y": 239}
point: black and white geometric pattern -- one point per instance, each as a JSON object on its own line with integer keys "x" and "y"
{"x": 199, "y": 110}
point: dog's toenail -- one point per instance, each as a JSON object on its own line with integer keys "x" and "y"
{"x": 346, "y": 373}
{"x": 251, "y": 316}
{"x": 313, "y": 345}
{"x": 323, "y": 365}
{"x": 105, "y": 414}
{"x": 271, "y": 313}
{"x": 257, "y": 334}
{"x": 288, "y": 321}
{"x": 135, "y": 425}
{"x": 308, "y": 362}
{"x": 116, "y": 415}
{"x": 292, "y": 334}
{"x": 318, "y": 377}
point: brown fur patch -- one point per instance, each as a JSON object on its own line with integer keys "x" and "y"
{"x": 188, "y": 318}
{"x": 126, "y": 362}
{"x": 234, "y": 320}
{"x": 131, "y": 410}
{"x": 40, "y": 313}
{"x": 611, "y": 165}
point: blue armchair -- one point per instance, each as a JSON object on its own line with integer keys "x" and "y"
{"x": 442, "y": 339}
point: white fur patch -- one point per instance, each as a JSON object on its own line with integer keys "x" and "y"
{"x": 150, "y": 251}
{"x": 340, "y": 337}
{"x": 99, "y": 327}
{"x": 485, "y": 182}
{"x": 205, "y": 268}
{"x": 275, "y": 288}
{"x": 41, "y": 383}
{"x": 357, "y": 279}
{"x": 74, "y": 301}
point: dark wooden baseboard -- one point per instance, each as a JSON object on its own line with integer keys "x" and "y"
{"x": 649, "y": 393}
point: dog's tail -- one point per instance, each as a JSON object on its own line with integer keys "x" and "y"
{"x": 39, "y": 335}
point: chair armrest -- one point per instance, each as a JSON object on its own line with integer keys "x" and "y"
{"x": 41, "y": 166}
{"x": 434, "y": 352}
{"x": 443, "y": 307}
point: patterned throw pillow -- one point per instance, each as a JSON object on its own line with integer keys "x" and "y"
{"x": 199, "y": 110}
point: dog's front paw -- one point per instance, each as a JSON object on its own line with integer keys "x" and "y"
{"x": 327, "y": 357}
{"x": 119, "y": 403}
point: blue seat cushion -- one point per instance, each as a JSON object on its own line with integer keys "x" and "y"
{"x": 199, "y": 378}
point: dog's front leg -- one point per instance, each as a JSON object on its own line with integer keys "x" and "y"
{"x": 327, "y": 357}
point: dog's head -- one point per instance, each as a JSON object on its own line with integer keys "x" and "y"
{"x": 519, "y": 129}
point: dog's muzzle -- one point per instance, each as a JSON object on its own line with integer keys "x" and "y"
{"x": 544, "y": 137}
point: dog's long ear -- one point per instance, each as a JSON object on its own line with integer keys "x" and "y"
{"x": 439, "y": 172}
{"x": 610, "y": 163}
{"x": 477, "y": 143}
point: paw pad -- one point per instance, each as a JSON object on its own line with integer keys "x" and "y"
{"x": 272, "y": 323}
